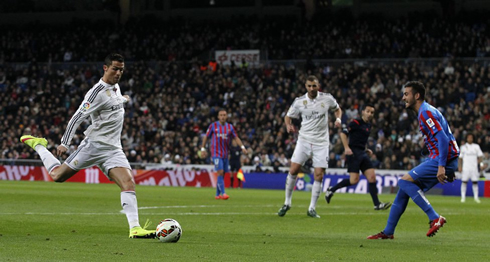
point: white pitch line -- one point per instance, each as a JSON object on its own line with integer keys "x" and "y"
{"x": 205, "y": 206}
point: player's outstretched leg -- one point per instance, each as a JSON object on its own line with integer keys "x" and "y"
{"x": 33, "y": 141}
{"x": 39, "y": 144}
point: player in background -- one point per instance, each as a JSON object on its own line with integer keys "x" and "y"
{"x": 440, "y": 166}
{"x": 104, "y": 104}
{"x": 235, "y": 163}
{"x": 221, "y": 134}
{"x": 313, "y": 140}
{"x": 354, "y": 138}
{"x": 469, "y": 159}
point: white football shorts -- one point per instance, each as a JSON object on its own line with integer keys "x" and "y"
{"x": 305, "y": 150}
{"x": 88, "y": 155}
{"x": 469, "y": 174}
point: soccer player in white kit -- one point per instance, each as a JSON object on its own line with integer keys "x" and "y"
{"x": 104, "y": 104}
{"x": 313, "y": 140}
{"x": 471, "y": 156}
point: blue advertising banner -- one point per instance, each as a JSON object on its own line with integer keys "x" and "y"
{"x": 385, "y": 179}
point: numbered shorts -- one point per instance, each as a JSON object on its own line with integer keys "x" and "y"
{"x": 470, "y": 174}
{"x": 425, "y": 174}
{"x": 221, "y": 164}
{"x": 305, "y": 150}
{"x": 88, "y": 155}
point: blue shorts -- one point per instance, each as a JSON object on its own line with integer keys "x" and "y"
{"x": 221, "y": 164}
{"x": 425, "y": 174}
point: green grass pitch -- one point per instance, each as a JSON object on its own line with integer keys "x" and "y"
{"x": 42, "y": 221}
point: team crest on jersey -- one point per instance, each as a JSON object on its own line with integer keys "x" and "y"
{"x": 305, "y": 103}
{"x": 108, "y": 92}
{"x": 85, "y": 106}
{"x": 323, "y": 105}
{"x": 75, "y": 162}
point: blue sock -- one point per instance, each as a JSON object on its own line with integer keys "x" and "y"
{"x": 217, "y": 189}
{"x": 418, "y": 197}
{"x": 399, "y": 205}
{"x": 221, "y": 184}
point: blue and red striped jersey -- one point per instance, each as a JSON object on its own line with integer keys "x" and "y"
{"x": 431, "y": 121}
{"x": 221, "y": 136}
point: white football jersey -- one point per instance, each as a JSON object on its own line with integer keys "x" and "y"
{"x": 104, "y": 104}
{"x": 314, "y": 116}
{"x": 470, "y": 153}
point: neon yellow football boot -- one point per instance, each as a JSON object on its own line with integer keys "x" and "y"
{"x": 33, "y": 141}
{"x": 142, "y": 232}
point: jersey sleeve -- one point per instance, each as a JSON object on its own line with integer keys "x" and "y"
{"x": 480, "y": 153}
{"x": 232, "y": 131}
{"x": 462, "y": 151}
{"x": 353, "y": 125}
{"x": 430, "y": 122}
{"x": 294, "y": 110}
{"x": 210, "y": 131}
{"x": 91, "y": 103}
{"x": 332, "y": 102}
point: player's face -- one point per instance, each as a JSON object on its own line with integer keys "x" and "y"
{"x": 312, "y": 87}
{"x": 368, "y": 113}
{"x": 408, "y": 97}
{"x": 222, "y": 116}
{"x": 113, "y": 73}
{"x": 469, "y": 139}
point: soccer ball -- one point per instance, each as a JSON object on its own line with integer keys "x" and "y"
{"x": 169, "y": 230}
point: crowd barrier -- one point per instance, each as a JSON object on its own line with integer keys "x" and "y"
{"x": 204, "y": 176}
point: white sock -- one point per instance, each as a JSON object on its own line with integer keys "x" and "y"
{"x": 475, "y": 190}
{"x": 130, "y": 208}
{"x": 290, "y": 184}
{"x": 315, "y": 194}
{"x": 49, "y": 161}
{"x": 463, "y": 190}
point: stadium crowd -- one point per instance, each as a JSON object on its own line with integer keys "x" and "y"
{"x": 336, "y": 37}
{"x": 174, "y": 102}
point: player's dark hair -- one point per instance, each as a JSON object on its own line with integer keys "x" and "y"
{"x": 113, "y": 57}
{"x": 366, "y": 105}
{"x": 417, "y": 87}
{"x": 312, "y": 78}
{"x": 470, "y": 134}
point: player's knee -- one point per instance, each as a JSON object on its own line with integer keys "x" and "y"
{"x": 354, "y": 180}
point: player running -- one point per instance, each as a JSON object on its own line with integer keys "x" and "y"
{"x": 438, "y": 168}
{"x": 354, "y": 138}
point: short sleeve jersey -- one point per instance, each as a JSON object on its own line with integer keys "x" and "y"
{"x": 314, "y": 116}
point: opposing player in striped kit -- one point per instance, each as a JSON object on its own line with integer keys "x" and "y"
{"x": 104, "y": 104}
{"x": 221, "y": 134}
{"x": 439, "y": 167}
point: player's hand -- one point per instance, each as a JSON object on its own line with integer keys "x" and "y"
{"x": 348, "y": 151}
{"x": 244, "y": 151}
{"x": 127, "y": 98}
{"x": 291, "y": 128}
{"x": 60, "y": 150}
{"x": 369, "y": 152}
{"x": 338, "y": 123}
{"x": 204, "y": 154}
{"x": 441, "y": 175}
